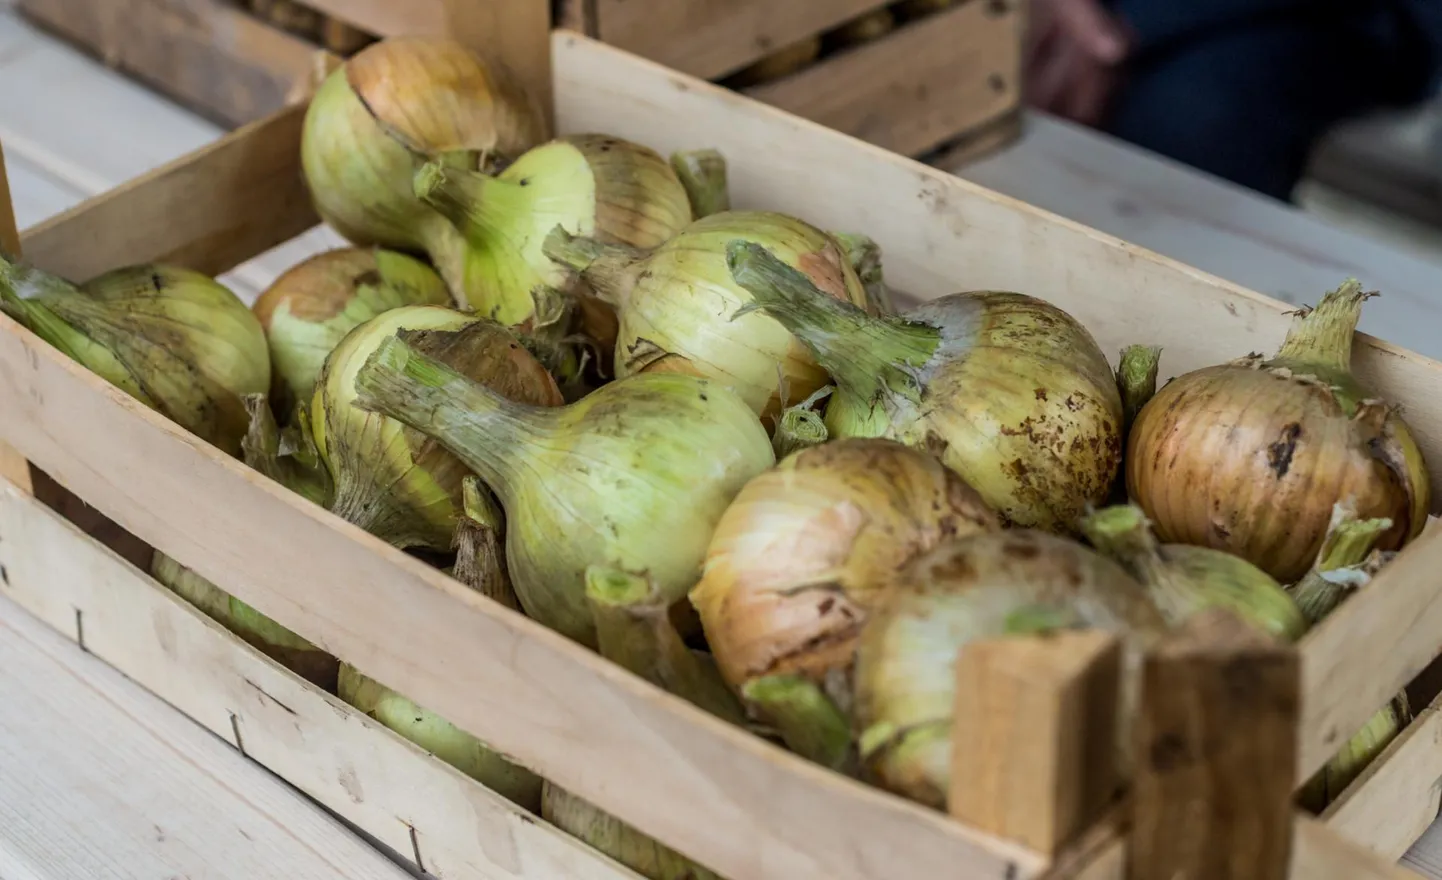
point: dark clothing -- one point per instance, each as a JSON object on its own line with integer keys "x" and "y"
{"x": 1244, "y": 88}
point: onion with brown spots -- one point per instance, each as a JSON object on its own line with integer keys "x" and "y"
{"x": 390, "y": 108}
{"x": 1009, "y": 391}
{"x": 310, "y": 308}
{"x": 677, "y": 304}
{"x": 802, "y": 554}
{"x": 1250, "y": 456}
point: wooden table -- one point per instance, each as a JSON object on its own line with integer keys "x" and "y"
{"x": 170, "y": 793}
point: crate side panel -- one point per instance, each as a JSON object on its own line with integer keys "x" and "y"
{"x": 352, "y": 765}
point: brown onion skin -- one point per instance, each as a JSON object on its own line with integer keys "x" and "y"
{"x": 849, "y": 514}
{"x": 1214, "y": 443}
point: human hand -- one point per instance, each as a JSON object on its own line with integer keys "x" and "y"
{"x": 1074, "y": 54}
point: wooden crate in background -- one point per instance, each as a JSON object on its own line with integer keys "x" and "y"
{"x": 941, "y": 79}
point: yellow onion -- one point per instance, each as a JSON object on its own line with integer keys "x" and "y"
{"x": 265, "y": 635}
{"x": 480, "y": 545}
{"x": 441, "y": 738}
{"x": 677, "y": 302}
{"x": 703, "y": 174}
{"x": 1354, "y": 757}
{"x": 287, "y": 455}
{"x": 389, "y": 109}
{"x": 635, "y": 475}
{"x": 310, "y": 308}
{"x": 1009, "y": 391}
{"x": 176, "y": 340}
{"x": 591, "y": 185}
{"x": 800, "y": 426}
{"x": 808, "y": 547}
{"x": 1184, "y": 580}
{"x": 605, "y": 833}
{"x": 634, "y": 631}
{"x": 989, "y": 585}
{"x": 394, "y": 481}
{"x": 1250, "y": 456}
{"x": 783, "y": 62}
{"x": 863, "y": 29}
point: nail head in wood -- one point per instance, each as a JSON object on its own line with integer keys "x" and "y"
{"x": 1034, "y": 736}
{"x": 1216, "y": 750}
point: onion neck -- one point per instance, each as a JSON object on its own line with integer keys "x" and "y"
{"x": 480, "y": 427}
{"x": 1137, "y": 378}
{"x": 1322, "y": 339}
{"x": 1123, "y": 535}
{"x": 864, "y": 255}
{"x": 868, "y": 357}
{"x": 477, "y": 205}
{"x": 1339, "y": 567}
{"x": 634, "y": 630}
{"x": 287, "y": 456}
{"x": 480, "y": 554}
{"x": 809, "y": 722}
{"x": 703, "y": 175}
{"x": 606, "y": 268}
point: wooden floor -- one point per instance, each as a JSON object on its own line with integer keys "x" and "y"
{"x": 186, "y": 802}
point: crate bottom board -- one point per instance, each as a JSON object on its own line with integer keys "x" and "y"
{"x": 450, "y": 825}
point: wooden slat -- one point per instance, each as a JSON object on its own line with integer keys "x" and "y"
{"x": 1319, "y": 853}
{"x": 389, "y": 788}
{"x": 13, "y": 466}
{"x": 710, "y": 38}
{"x": 100, "y": 779}
{"x": 209, "y": 210}
{"x": 515, "y": 33}
{"x": 1396, "y": 799}
{"x": 1034, "y": 740}
{"x": 919, "y": 87}
{"x": 209, "y": 54}
{"x": 751, "y": 810}
{"x": 387, "y": 18}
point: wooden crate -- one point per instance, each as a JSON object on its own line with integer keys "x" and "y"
{"x": 725, "y": 798}
{"x": 945, "y": 79}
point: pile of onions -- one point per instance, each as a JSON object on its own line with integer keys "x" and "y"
{"x": 992, "y": 584}
{"x": 1009, "y": 391}
{"x": 635, "y": 475}
{"x": 174, "y": 339}
{"x": 1250, "y": 456}
{"x": 676, "y": 303}
{"x": 391, "y": 107}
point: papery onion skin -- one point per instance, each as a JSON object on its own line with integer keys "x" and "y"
{"x": 973, "y": 588}
{"x": 442, "y": 739}
{"x": 309, "y": 309}
{"x": 1007, "y": 390}
{"x": 592, "y": 185}
{"x": 396, "y": 103}
{"x": 265, "y": 635}
{"x": 804, "y": 551}
{"x": 390, "y": 479}
{"x": 172, "y": 338}
{"x": 1250, "y": 457}
{"x": 635, "y": 475}
{"x": 677, "y": 303}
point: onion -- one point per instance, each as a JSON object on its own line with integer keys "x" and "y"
{"x": 441, "y": 738}
{"x": 388, "y": 109}
{"x": 1249, "y": 457}
{"x": 607, "y": 834}
{"x": 1184, "y": 580}
{"x": 1137, "y": 379}
{"x": 310, "y": 308}
{"x": 391, "y": 480}
{"x": 176, "y": 340}
{"x": 703, "y": 174}
{"x": 265, "y": 635}
{"x": 864, "y": 255}
{"x": 800, "y": 426}
{"x": 635, "y": 475}
{"x": 287, "y": 455}
{"x": 806, "y": 549}
{"x": 783, "y": 62}
{"x": 988, "y": 585}
{"x": 676, "y": 303}
{"x": 1009, "y": 391}
{"x": 591, "y": 185}
{"x": 863, "y": 29}
{"x": 479, "y": 545}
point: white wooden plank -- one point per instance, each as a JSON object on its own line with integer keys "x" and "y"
{"x": 99, "y": 779}
{"x": 1213, "y": 225}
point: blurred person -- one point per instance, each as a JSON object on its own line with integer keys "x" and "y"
{"x": 1240, "y": 88}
